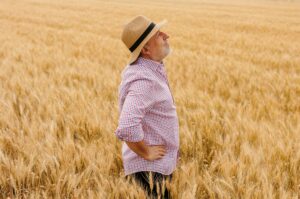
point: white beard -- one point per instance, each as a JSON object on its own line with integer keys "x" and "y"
{"x": 163, "y": 53}
{"x": 167, "y": 51}
{"x": 170, "y": 51}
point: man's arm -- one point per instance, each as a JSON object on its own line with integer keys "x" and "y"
{"x": 147, "y": 152}
{"x": 139, "y": 99}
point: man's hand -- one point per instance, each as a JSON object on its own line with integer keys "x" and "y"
{"x": 147, "y": 152}
{"x": 155, "y": 152}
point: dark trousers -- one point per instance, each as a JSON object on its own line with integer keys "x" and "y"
{"x": 153, "y": 185}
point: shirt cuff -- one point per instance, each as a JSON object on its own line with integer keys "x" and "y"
{"x": 130, "y": 134}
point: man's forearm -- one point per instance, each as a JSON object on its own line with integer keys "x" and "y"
{"x": 139, "y": 148}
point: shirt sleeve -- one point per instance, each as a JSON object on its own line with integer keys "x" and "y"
{"x": 138, "y": 101}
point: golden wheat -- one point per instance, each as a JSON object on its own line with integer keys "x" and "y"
{"x": 234, "y": 73}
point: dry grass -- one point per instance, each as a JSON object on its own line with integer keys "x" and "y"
{"x": 234, "y": 73}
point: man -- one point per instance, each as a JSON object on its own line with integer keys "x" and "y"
{"x": 148, "y": 122}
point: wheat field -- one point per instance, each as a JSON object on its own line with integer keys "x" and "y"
{"x": 234, "y": 73}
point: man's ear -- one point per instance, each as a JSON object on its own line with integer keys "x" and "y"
{"x": 145, "y": 50}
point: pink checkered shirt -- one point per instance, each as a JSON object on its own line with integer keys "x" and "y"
{"x": 147, "y": 112}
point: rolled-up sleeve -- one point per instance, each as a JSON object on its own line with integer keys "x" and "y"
{"x": 137, "y": 102}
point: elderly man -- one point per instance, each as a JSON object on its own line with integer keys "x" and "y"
{"x": 148, "y": 122}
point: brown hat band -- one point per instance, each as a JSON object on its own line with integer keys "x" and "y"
{"x": 142, "y": 37}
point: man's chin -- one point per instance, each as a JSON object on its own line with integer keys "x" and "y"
{"x": 165, "y": 53}
{"x": 168, "y": 52}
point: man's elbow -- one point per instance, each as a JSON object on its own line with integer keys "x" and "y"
{"x": 129, "y": 135}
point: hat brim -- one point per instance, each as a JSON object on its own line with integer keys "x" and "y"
{"x": 135, "y": 54}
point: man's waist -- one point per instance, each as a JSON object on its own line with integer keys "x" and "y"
{"x": 127, "y": 153}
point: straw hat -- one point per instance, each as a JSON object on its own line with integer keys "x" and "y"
{"x": 136, "y": 34}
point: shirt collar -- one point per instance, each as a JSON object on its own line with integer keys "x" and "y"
{"x": 150, "y": 63}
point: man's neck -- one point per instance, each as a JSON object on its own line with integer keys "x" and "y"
{"x": 147, "y": 57}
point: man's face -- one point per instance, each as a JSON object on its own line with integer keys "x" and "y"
{"x": 158, "y": 46}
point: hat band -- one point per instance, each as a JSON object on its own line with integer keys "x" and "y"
{"x": 142, "y": 37}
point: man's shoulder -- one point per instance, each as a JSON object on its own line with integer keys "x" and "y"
{"x": 138, "y": 76}
{"x": 136, "y": 71}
